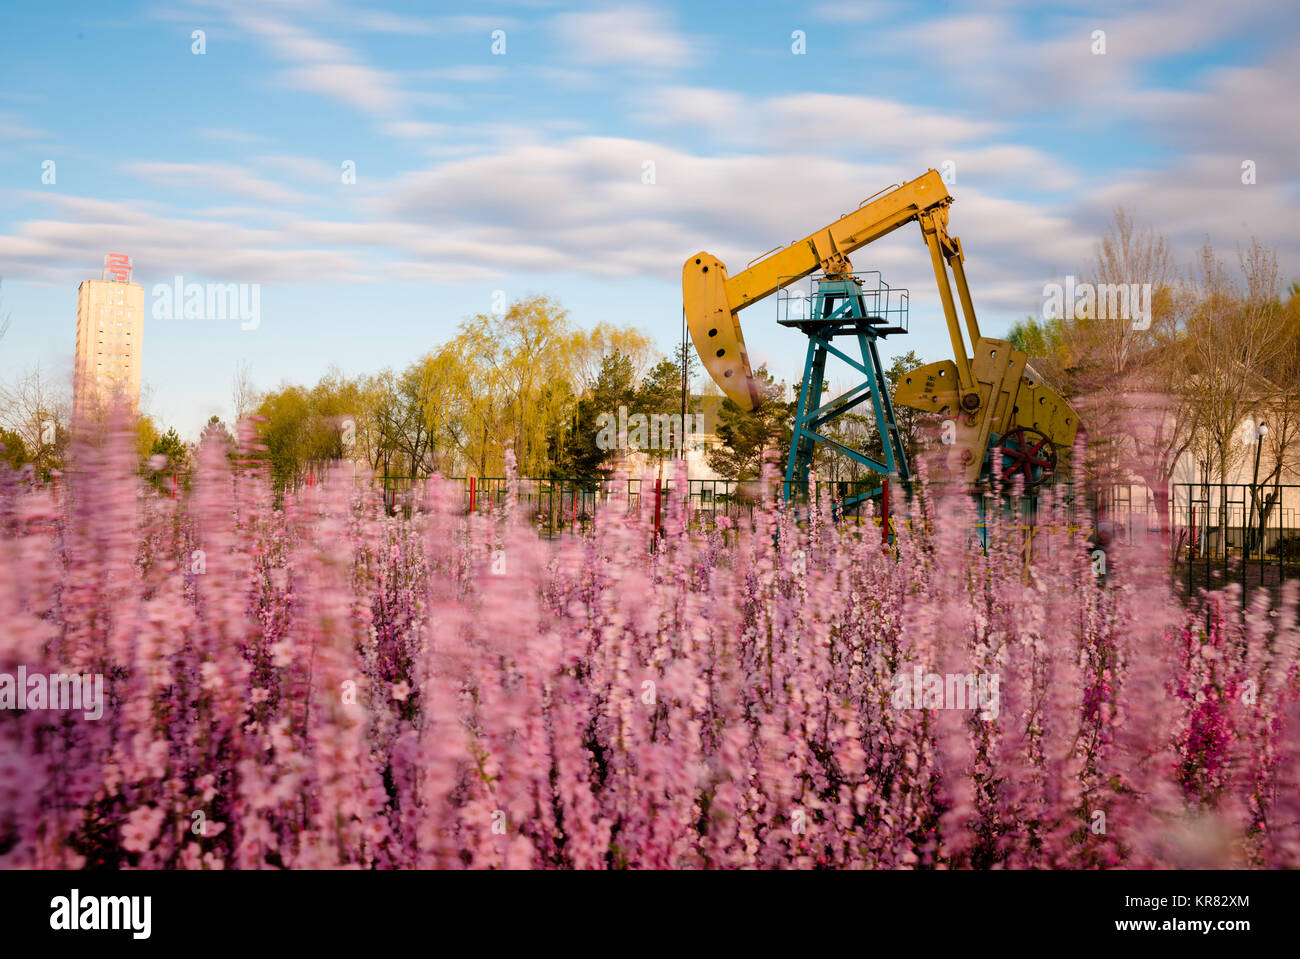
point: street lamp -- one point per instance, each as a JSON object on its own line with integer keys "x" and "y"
{"x": 1260, "y": 432}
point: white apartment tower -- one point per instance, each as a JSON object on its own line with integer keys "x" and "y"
{"x": 110, "y": 328}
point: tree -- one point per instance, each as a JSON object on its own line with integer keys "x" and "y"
{"x": 146, "y": 434}
{"x": 1283, "y": 370}
{"x": 214, "y": 431}
{"x": 1047, "y": 344}
{"x": 1234, "y": 335}
{"x": 1125, "y": 373}
{"x": 517, "y": 379}
{"x": 589, "y": 348}
{"x": 1135, "y": 423}
{"x": 910, "y": 421}
{"x": 172, "y": 452}
{"x": 378, "y": 399}
{"x": 419, "y": 425}
{"x": 687, "y": 364}
{"x": 580, "y": 453}
{"x": 505, "y": 395}
{"x": 858, "y": 431}
{"x": 746, "y": 436}
{"x": 288, "y": 432}
{"x": 13, "y": 452}
{"x": 37, "y": 412}
{"x": 243, "y": 395}
{"x": 660, "y": 394}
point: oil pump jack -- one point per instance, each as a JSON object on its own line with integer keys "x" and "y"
{"x": 1000, "y": 421}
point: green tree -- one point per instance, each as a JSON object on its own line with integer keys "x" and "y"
{"x": 746, "y": 436}
{"x": 146, "y": 434}
{"x": 504, "y": 387}
{"x": 1036, "y": 338}
{"x": 13, "y": 452}
{"x": 660, "y": 393}
{"x": 858, "y": 430}
{"x": 581, "y": 454}
{"x": 215, "y": 431}
{"x": 286, "y": 432}
{"x": 171, "y": 446}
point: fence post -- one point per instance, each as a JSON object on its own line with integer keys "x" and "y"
{"x": 472, "y": 491}
{"x": 884, "y": 512}
{"x": 1279, "y": 535}
{"x": 658, "y": 494}
{"x": 1246, "y": 523}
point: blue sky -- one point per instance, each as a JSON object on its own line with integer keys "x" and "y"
{"x": 522, "y": 171}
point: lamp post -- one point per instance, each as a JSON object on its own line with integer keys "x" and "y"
{"x": 685, "y": 358}
{"x": 1260, "y": 432}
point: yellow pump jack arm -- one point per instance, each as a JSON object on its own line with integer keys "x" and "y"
{"x": 988, "y": 393}
{"x": 713, "y": 299}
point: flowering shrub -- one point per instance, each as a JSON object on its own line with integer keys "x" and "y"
{"x": 318, "y": 683}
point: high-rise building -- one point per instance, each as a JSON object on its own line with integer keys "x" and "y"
{"x": 110, "y": 328}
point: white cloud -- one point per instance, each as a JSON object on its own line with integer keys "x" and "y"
{"x": 1243, "y": 103}
{"x": 1006, "y": 165}
{"x": 228, "y": 135}
{"x": 70, "y": 248}
{"x": 525, "y": 203}
{"x": 303, "y": 169}
{"x": 410, "y": 129}
{"x": 383, "y": 22}
{"x": 206, "y": 177}
{"x": 366, "y": 89}
{"x": 473, "y": 24}
{"x": 990, "y": 55}
{"x": 461, "y": 73}
{"x": 624, "y": 35}
{"x": 14, "y": 128}
{"x": 805, "y": 119}
{"x": 324, "y": 67}
{"x": 852, "y": 11}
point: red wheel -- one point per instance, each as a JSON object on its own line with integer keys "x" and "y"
{"x": 1026, "y": 453}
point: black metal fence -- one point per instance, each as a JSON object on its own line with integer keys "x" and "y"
{"x": 570, "y": 504}
{"x": 1216, "y": 533}
{"x": 1237, "y": 532}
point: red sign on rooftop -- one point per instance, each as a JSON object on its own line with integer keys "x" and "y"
{"x": 117, "y": 267}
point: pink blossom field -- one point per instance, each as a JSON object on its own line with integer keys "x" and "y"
{"x": 323, "y": 685}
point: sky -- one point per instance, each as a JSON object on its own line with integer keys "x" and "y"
{"x": 381, "y": 172}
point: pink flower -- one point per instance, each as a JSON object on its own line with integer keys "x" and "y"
{"x": 141, "y": 828}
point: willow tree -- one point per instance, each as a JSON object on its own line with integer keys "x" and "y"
{"x": 503, "y": 392}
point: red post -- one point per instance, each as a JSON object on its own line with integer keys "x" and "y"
{"x": 176, "y": 482}
{"x": 884, "y": 513}
{"x": 471, "y": 494}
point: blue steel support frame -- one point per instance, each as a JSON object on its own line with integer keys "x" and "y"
{"x": 839, "y": 310}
